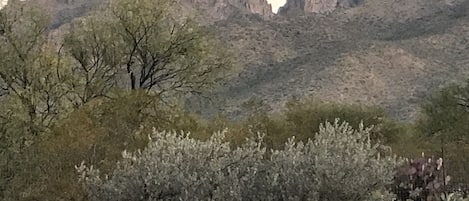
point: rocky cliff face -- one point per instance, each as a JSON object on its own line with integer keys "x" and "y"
{"x": 259, "y": 7}
{"x": 221, "y": 9}
{"x": 349, "y": 3}
{"x": 316, "y": 6}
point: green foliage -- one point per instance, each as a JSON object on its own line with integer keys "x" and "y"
{"x": 143, "y": 45}
{"x": 442, "y": 126}
{"x": 95, "y": 59}
{"x": 97, "y": 133}
{"x": 33, "y": 75}
{"x": 446, "y": 113}
{"x": 340, "y": 164}
{"x": 62, "y": 105}
{"x": 35, "y": 85}
{"x": 304, "y": 117}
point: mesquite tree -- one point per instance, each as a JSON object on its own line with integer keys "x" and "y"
{"x": 145, "y": 46}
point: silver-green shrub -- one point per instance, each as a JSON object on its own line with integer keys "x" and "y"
{"x": 347, "y": 164}
{"x": 177, "y": 167}
{"x": 455, "y": 196}
{"x": 339, "y": 164}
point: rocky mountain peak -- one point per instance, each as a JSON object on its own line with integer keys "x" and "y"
{"x": 261, "y": 7}
{"x": 317, "y": 6}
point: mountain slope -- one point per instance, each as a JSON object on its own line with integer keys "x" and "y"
{"x": 392, "y": 53}
{"x": 362, "y": 54}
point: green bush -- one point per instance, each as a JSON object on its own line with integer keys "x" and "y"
{"x": 446, "y": 113}
{"x": 96, "y": 133}
{"x": 443, "y": 126}
{"x": 303, "y": 117}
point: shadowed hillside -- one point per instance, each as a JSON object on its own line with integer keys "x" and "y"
{"x": 369, "y": 54}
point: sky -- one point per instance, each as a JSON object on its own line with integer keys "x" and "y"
{"x": 276, "y": 4}
{"x": 2, "y": 3}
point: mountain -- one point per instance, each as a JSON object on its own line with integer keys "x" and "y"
{"x": 316, "y": 6}
{"x": 391, "y": 53}
{"x": 64, "y": 11}
{"x": 214, "y": 10}
{"x": 208, "y": 10}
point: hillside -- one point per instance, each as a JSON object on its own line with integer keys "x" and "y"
{"x": 369, "y": 54}
{"x": 391, "y": 53}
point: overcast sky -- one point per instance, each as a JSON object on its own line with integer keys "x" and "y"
{"x": 2, "y": 3}
{"x": 276, "y": 4}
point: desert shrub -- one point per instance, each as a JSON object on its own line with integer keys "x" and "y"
{"x": 443, "y": 125}
{"x": 347, "y": 164}
{"x": 446, "y": 113}
{"x": 177, "y": 167}
{"x": 339, "y": 164}
{"x": 454, "y": 154}
{"x": 454, "y": 196}
{"x": 305, "y": 116}
{"x": 97, "y": 133}
{"x": 421, "y": 179}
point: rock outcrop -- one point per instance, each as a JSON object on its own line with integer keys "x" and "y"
{"x": 316, "y": 6}
{"x": 349, "y": 3}
{"x": 261, "y": 7}
{"x": 222, "y": 9}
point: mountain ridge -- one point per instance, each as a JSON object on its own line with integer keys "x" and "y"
{"x": 316, "y": 6}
